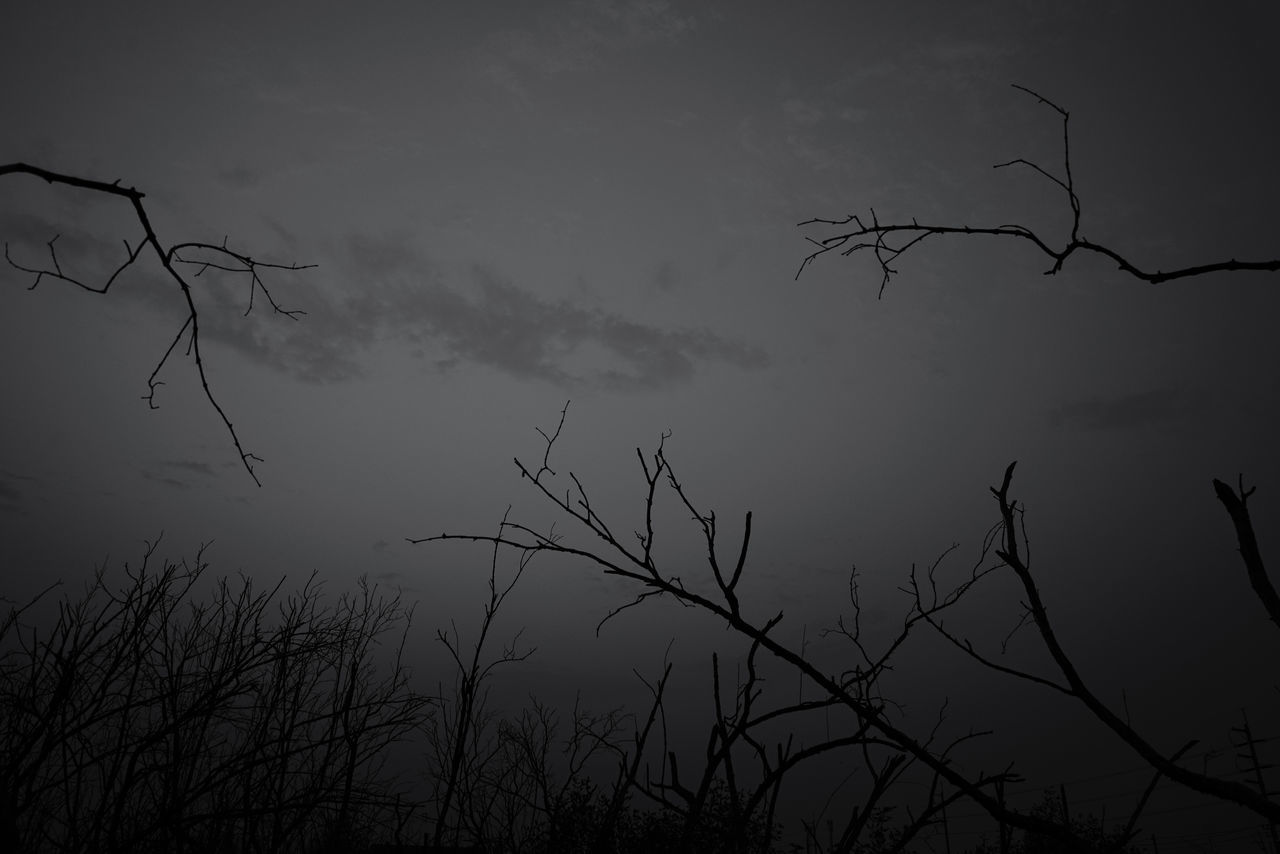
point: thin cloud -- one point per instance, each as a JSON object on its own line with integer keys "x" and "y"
{"x": 240, "y": 176}
{"x": 81, "y": 254}
{"x": 578, "y": 38}
{"x": 524, "y": 335}
{"x": 11, "y": 497}
{"x": 397, "y": 296}
{"x": 802, "y": 112}
{"x": 190, "y": 466}
{"x": 176, "y": 473}
{"x": 648, "y": 20}
{"x": 171, "y": 482}
{"x": 1126, "y": 411}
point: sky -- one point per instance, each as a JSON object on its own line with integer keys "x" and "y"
{"x": 514, "y": 205}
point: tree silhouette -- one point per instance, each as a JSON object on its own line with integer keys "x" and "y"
{"x": 868, "y": 727}
{"x": 144, "y": 721}
{"x": 150, "y": 718}
{"x": 889, "y": 242}
{"x": 200, "y": 255}
{"x": 1009, "y": 543}
{"x": 871, "y": 727}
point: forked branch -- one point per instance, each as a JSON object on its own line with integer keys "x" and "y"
{"x": 851, "y": 692}
{"x": 203, "y": 256}
{"x": 888, "y": 242}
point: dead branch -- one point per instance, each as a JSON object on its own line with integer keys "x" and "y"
{"x": 218, "y": 256}
{"x": 1013, "y": 554}
{"x": 889, "y": 242}
{"x": 616, "y": 558}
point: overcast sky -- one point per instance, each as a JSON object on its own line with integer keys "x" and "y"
{"x": 511, "y": 205}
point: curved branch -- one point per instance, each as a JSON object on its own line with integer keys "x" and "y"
{"x": 231, "y": 261}
{"x": 640, "y": 569}
{"x": 874, "y": 235}
{"x": 1225, "y": 790}
{"x": 1237, "y": 508}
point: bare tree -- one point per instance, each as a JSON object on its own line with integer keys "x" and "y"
{"x": 520, "y": 782}
{"x": 870, "y": 728}
{"x": 1007, "y": 541}
{"x": 873, "y": 729}
{"x": 869, "y": 720}
{"x": 460, "y": 738}
{"x": 148, "y": 718}
{"x": 201, "y": 256}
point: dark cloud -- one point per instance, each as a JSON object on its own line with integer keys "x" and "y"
{"x": 80, "y": 254}
{"x": 1126, "y": 411}
{"x": 11, "y": 499}
{"x": 524, "y": 335}
{"x": 172, "y": 482}
{"x": 578, "y": 37}
{"x": 396, "y": 295}
{"x": 240, "y": 177}
{"x": 190, "y": 466}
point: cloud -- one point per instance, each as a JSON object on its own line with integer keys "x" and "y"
{"x": 396, "y": 296}
{"x": 392, "y": 294}
{"x": 172, "y": 482}
{"x": 524, "y": 335}
{"x": 578, "y": 37}
{"x": 177, "y": 476}
{"x": 190, "y": 466}
{"x": 240, "y": 176}
{"x": 802, "y": 112}
{"x": 1126, "y": 411}
{"x": 81, "y": 254}
{"x": 648, "y": 20}
{"x": 11, "y": 499}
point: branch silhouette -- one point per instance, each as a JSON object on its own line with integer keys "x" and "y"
{"x": 853, "y": 691}
{"x": 222, "y": 258}
{"x": 1007, "y": 541}
{"x": 888, "y": 242}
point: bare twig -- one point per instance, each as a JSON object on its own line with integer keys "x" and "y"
{"x": 221, "y": 258}
{"x": 871, "y": 234}
{"x": 850, "y": 693}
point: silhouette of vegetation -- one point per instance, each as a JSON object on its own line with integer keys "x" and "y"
{"x": 864, "y": 728}
{"x": 148, "y": 719}
{"x": 161, "y": 716}
{"x": 889, "y": 242}
{"x": 870, "y": 727}
{"x": 200, "y": 255}
{"x": 1087, "y": 828}
{"x": 512, "y": 783}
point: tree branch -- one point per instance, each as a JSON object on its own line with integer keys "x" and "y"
{"x": 871, "y": 234}
{"x": 223, "y": 258}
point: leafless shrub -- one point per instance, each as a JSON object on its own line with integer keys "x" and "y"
{"x": 147, "y": 718}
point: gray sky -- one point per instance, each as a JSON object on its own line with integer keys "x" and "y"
{"x": 516, "y": 204}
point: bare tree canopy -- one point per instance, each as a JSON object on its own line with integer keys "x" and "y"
{"x": 145, "y": 718}
{"x": 872, "y": 728}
